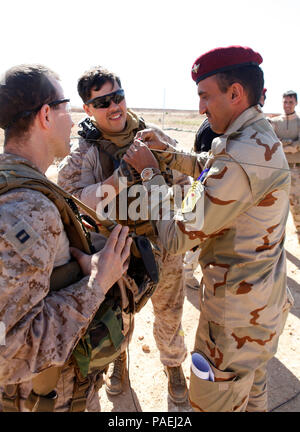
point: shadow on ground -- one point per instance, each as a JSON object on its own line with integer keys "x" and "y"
{"x": 283, "y": 386}
{"x": 193, "y": 297}
{"x": 295, "y": 290}
{"x": 293, "y": 259}
{"x": 283, "y": 393}
{"x": 127, "y": 401}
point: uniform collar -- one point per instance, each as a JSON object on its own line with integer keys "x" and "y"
{"x": 249, "y": 116}
{"x": 290, "y": 116}
{"x": 10, "y": 158}
{"x": 246, "y": 118}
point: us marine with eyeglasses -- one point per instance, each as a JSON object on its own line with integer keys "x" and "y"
{"x": 95, "y": 164}
{"x": 48, "y": 301}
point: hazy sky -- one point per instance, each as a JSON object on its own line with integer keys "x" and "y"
{"x": 151, "y": 45}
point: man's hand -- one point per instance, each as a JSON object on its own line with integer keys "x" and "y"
{"x": 139, "y": 157}
{"x": 108, "y": 265}
{"x": 156, "y": 139}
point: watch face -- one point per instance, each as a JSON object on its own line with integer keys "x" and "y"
{"x": 147, "y": 174}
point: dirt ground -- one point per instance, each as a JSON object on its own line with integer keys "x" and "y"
{"x": 147, "y": 391}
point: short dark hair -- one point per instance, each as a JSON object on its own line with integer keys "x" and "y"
{"x": 290, "y": 93}
{"x": 251, "y": 77}
{"x": 94, "y": 79}
{"x": 24, "y": 88}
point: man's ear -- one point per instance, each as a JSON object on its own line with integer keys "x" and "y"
{"x": 44, "y": 116}
{"x": 87, "y": 110}
{"x": 237, "y": 93}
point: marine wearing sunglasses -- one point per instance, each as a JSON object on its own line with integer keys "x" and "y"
{"x": 105, "y": 101}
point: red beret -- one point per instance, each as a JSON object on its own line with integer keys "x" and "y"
{"x": 223, "y": 59}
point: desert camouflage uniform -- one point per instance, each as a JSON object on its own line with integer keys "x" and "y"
{"x": 287, "y": 128}
{"x": 81, "y": 174}
{"x": 240, "y": 225}
{"x": 42, "y": 327}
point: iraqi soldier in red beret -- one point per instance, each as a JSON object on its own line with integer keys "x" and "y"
{"x": 236, "y": 210}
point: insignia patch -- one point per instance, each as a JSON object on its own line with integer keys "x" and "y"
{"x": 192, "y": 197}
{"x": 21, "y": 236}
{"x": 195, "y": 68}
{"x": 194, "y": 193}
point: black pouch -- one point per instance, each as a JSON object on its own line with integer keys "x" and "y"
{"x": 147, "y": 256}
{"x": 144, "y": 269}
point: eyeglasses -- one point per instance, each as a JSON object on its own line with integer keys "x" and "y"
{"x": 35, "y": 110}
{"x": 104, "y": 101}
{"x": 51, "y": 104}
{"x": 57, "y": 102}
{"x": 60, "y": 101}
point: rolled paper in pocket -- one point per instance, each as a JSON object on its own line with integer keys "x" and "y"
{"x": 201, "y": 367}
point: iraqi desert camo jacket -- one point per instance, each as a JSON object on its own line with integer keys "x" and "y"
{"x": 245, "y": 206}
{"x": 287, "y": 128}
{"x": 41, "y": 327}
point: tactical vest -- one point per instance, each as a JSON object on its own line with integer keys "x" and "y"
{"x": 102, "y": 341}
{"x": 110, "y": 156}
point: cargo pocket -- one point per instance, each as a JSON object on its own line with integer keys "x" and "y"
{"x": 227, "y": 393}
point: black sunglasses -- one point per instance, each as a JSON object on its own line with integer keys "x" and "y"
{"x": 104, "y": 101}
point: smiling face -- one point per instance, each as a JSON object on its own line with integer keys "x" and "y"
{"x": 113, "y": 118}
{"x": 289, "y": 104}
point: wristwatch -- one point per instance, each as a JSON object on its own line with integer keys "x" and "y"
{"x": 148, "y": 173}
